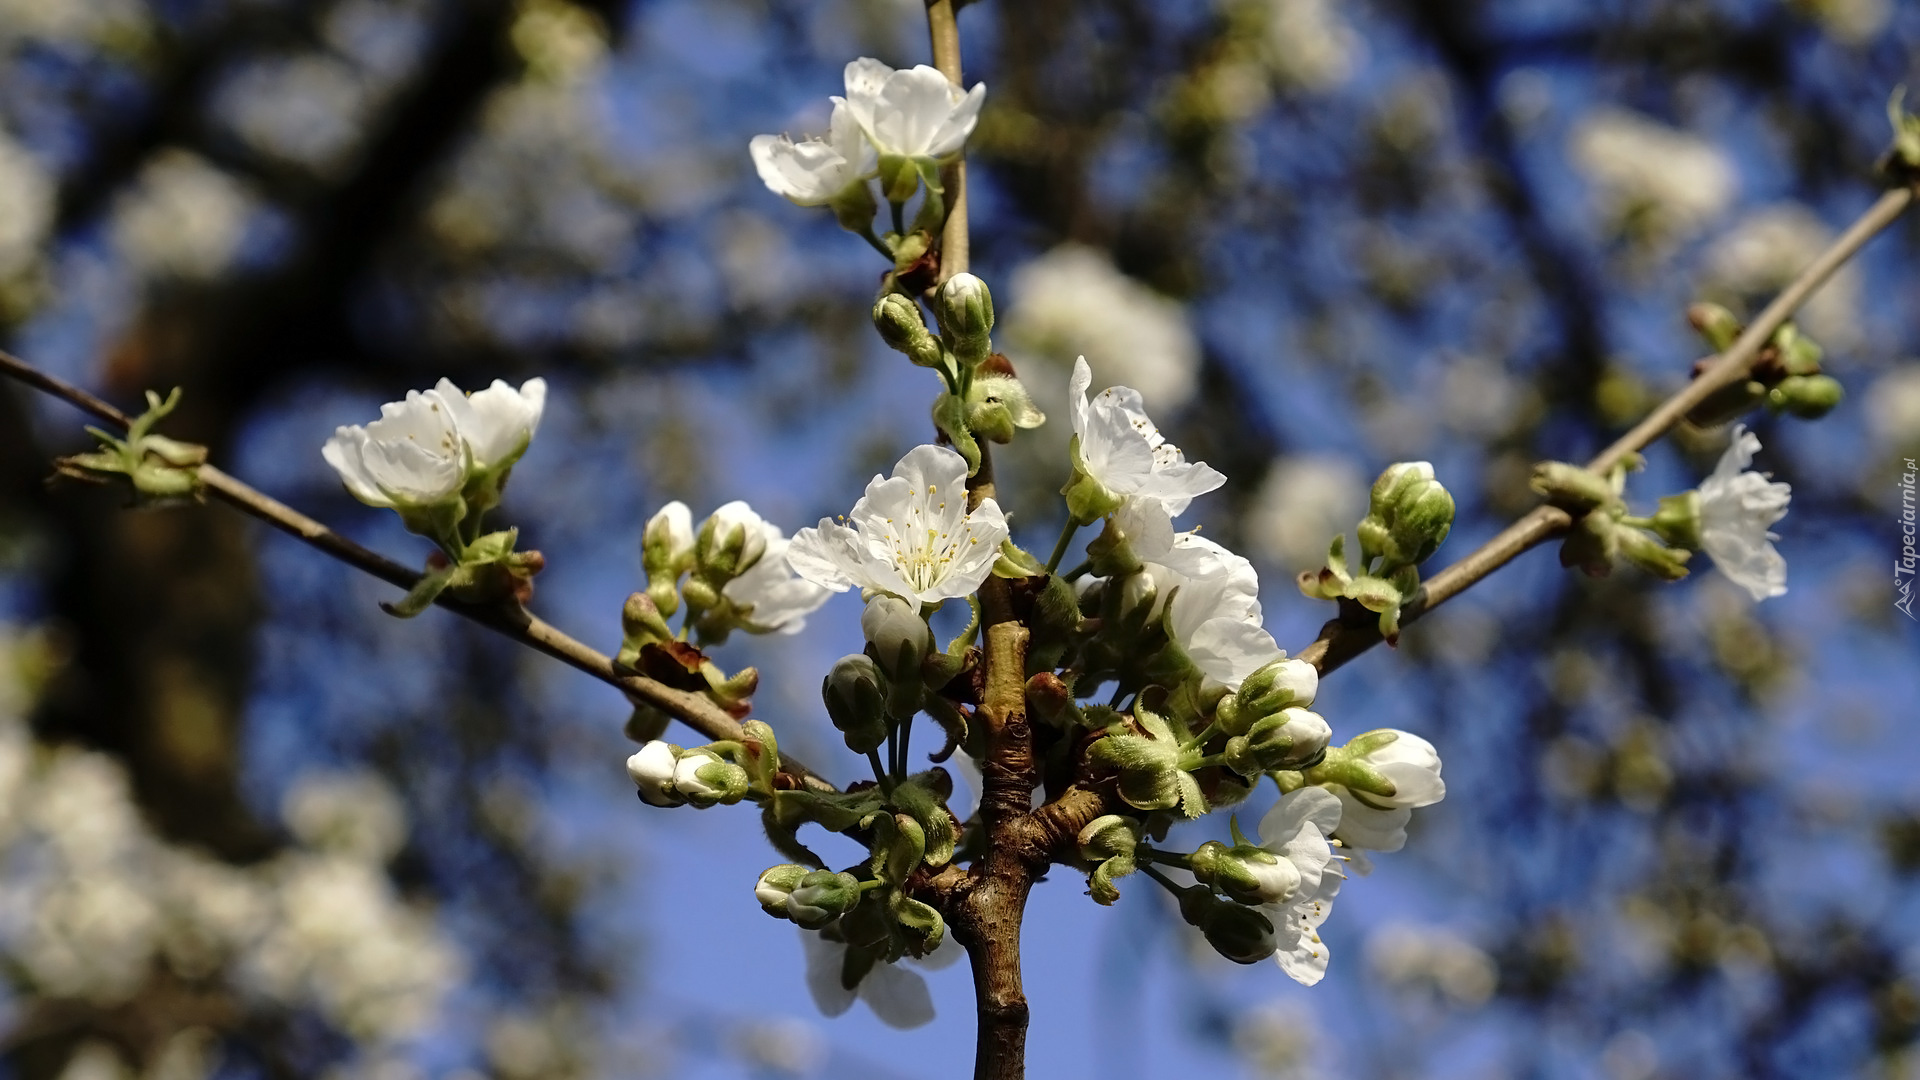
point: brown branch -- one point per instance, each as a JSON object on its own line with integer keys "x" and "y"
{"x": 1341, "y": 640}
{"x": 513, "y": 621}
{"x": 990, "y": 913}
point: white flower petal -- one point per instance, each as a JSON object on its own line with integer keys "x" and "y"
{"x": 825, "y": 962}
{"x": 899, "y": 997}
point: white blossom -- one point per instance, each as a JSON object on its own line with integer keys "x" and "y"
{"x": 1736, "y": 507}
{"x": 1122, "y": 449}
{"x": 814, "y": 171}
{"x": 1407, "y": 956}
{"x": 411, "y": 457}
{"x": 185, "y": 217}
{"x": 1072, "y": 301}
{"x": 353, "y": 812}
{"x": 1303, "y": 503}
{"x": 496, "y": 423}
{"x": 1214, "y": 614}
{"x": 1296, "y": 830}
{"x": 1309, "y": 44}
{"x": 27, "y": 191}
{"x": 652, "y": 768}
{"x": 1893, "y": 408}
{"x": 771, "y": 599}
{"x": 897, "y": 995}
{"x": 1643, "y": 170}
{"x": 1767, "y": 248}
{"x": 911, "y": 535}
{"x": 915, "y": 112}
{"x": 1379, "y": 822}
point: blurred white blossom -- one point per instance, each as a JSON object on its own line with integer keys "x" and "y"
{"x": 1304, "y": 502}
{"x": 1277, "y": 1040}
{"x": 1072, "y": 301}
{"x": 310, "y": 110}
{"x": 1893, "y": 407}
{"x": 120, "y": 23}
{"x": 1651, "y": 180}
{"x": 1309, "y": 44}
{"x": 352, "y": 812}
{"x": 27, "y": 193}
{"x": 184, "y": 217}
{"x": 1763, "y": 251}
{"x": 1409, "y": 957}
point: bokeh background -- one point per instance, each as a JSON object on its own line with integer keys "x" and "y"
{"x": 250, "y": 826}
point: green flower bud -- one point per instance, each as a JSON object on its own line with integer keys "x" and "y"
{"x": 1572, "y": 488}
{"x": 1009, "y": 395}
{"x": 1396, "y": 480}
{"x": 641, "y": 624}
{"x": 822, "y": 896}
{"x": 1290, "y": 738}
{"x": 1716, "y": 324}
{"x": 1241, "y": 934}
{"x": 856, "y": 697}
{"x": 900, "y": 638}
{"x": 1799, "y": 354}
{"x": 1281, "y": 684}
{"x": 1808, "y": 397}
{"x": 776, "y": 885}
{"x": 1422, "y": 519}
{"x": 902, "y": 327}
{"x": 964, "y": 308}
{"x": 1246, "y": 874}
{"x": 705, "y": 779}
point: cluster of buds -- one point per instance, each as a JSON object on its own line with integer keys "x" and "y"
{"x": 735, "y": 570}
{"x": 161, "y": 470}
{"x": 721, "y": 773}
{"x": 1408, "y": 517}
{"x": 1727, "y": 516}
{"x": 983, "y": 399}
{"x": 1785, "y": 376}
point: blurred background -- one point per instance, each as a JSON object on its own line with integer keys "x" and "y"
{"x": 252, "y": 827}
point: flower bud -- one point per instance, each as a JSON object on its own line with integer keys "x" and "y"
{"x": 1572, "y": 488}
{"x": 1808, "y": 397}
{"x": 1245, "y": 873}
{"x": 964, "y": 307}
{"x": 730, "y": 542}
{"x": 856, "y": 697}
{"x": 1716, "y": 324}
{"x": 642, "y": 624}
{"x": 1288, "y": 739}
{"x": 1798, "y": 353}
{"x": 1241, "y": 934}
{"x": 776, "y": 885}
{"x": 1423, "y": 517}
{"x": 1280, "y": 684}
{"x": 902, "y": 327}
{"x": 821, "y": 897}
{"x": 900, "y": 637}
{"x": 1396, "y": 480}
{"x": 652, "y": 768}
{"x": 706, "y": 779}
{"x": 666, "y": 549}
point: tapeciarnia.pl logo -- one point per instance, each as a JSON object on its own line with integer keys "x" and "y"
{"x": 1904, "y": 566}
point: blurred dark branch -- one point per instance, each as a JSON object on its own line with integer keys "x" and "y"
{"x": 1341, "y": 641}
{"x": 695, "y": 711}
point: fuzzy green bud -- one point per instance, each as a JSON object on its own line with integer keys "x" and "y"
{"x": 1280, "y": 684}
{"x": 855, "y": 693}
{"x": 1572, "y": 488}
{"x": 821, "y": 896}
{"x": 776, "y": 885}
{"x": 1808, "y": 397}
{"x": 902, "y": 327}
{"x": 1288, "y": 739}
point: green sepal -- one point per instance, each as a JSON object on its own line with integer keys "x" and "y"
{"x": 1016, "y": 562}
{"x": 950, "y": 416}
{"x": 1088, "y": 500}
{"x": 922, "y": 922}
{"x": 424, "y": 592}
{"x": 940, "y": 831}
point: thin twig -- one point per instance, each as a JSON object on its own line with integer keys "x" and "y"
{"x": 1341, "y": 641}
{"x": 944, "y": 29}
{"x": 692, "y": 709}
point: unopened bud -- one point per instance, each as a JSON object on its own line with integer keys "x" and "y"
{"x": 731, "y": 541}
{"x": 856, "y": 698}
{"x": 776, "y": 885}
{"x": 666, "y": 547}
{"x": 1288, "y": 739}
{"x": 1277, "y": 685}
{"x": 822, "y": 896}
{"x": 1246, "y": 874}
{"x": 902, "y": 327}
{"x": 1572, "y": 488}
{"x": 1394, "y": 480}
{"x": 652, "y": 768}
{"x": 1716, "y": 324}
{"x": 1808, "y": 397}
{"x": 964, "y": 307}
{"x": 706, "y": 779}
{"x": 642, "y": 624}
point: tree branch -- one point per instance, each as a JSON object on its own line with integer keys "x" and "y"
{"x": 1341, "y": 641}
{"x": 513, "y": 621}
{"x": 944, "y": 29}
